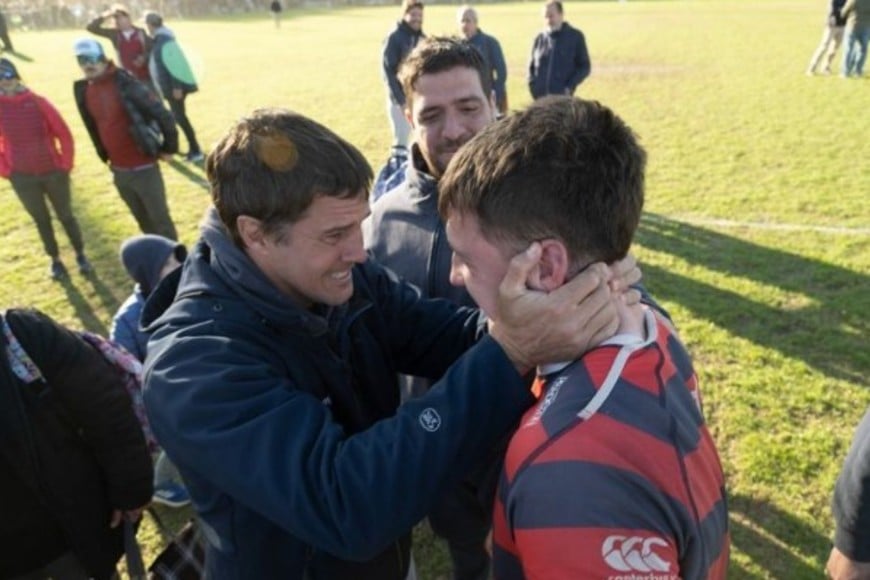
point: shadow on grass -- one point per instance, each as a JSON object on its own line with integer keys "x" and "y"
{"x": 184, "y": 169}
{"x": 776, "y": 541}
{"x": 824, "y": 333}
{"x": 19, "y": 56}
{"x": 83, "y": 311}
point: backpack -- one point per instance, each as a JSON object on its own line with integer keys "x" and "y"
{"x": 127, "y": 365}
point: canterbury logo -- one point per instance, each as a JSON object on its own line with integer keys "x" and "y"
{"x": 634, "y": 554}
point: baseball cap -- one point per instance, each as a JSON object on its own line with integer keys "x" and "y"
{"x": 89, "y": 47}
{"x": 8, "y": 70}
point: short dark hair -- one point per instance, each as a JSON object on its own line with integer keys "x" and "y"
{"x": 435, "y": 54}
{"x": 564, "y": 168}
{"x": 408, "y": 5}
{"x": 272, "y": 164}
{"x": 555, "y": 3}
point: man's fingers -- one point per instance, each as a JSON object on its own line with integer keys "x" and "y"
{"x": 582, "y": 285}
{"x": 116, "y": 518}
{"x": 514, "y": 282}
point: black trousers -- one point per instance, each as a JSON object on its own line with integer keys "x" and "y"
{"x": 179, "y": 111}
{"x": 33, "y": 190}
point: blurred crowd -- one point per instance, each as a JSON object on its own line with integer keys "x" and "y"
{"x": 47, "y": 14}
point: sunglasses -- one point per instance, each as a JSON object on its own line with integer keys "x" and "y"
{"x": 7, "y": 75}
{"x": 84, "y": 59}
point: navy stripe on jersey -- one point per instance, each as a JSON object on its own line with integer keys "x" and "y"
{"x": 680, "y": 358}
{"x": 581, "y": 494}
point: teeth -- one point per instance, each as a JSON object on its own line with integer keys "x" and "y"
{"x": 342, "y": 275}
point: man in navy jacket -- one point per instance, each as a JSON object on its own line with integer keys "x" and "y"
{"x": 560, "y": 60}
{"x": 271, "y": 371}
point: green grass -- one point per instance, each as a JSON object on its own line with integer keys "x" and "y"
{"x": 741, "y": 144}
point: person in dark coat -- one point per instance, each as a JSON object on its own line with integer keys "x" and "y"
{"x": 73, "y": 459}
{"x": 401, "y": 41}
{"x": 490, "y": 48}
{"x": 174, "y": 79}
{"x": 560, "y": 59}
{"x": 850, "y": 556}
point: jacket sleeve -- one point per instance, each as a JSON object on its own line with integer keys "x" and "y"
{"x": 533, "y": 71}
{"x": 581, "y": 65}
{"x": 5, "y": 160}
{"x": 851, "y": 503}
{"x": 96, "y": 28}
{"x": 125, "y": 330}
{"x": 392, "y": 58}
{"x": 847, "y": 8}
{"x": 226, "y": 413}
{"x": 59, "y": 130}
{"x": 498, "y": 63}
{"x": 152, "y": 109}
{"x": 89, "y": 389}
{"x": 79, "y": 88}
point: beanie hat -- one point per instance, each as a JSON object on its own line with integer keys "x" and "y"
{"x": 144, "y": 256}
{"x": 89, "y": 47}
{"x": 7, "y": 69}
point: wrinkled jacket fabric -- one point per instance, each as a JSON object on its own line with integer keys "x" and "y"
{"x": 145, "y": 110}
{"x": 71, "y": 447}
{"x": 405, "y": 232}
{"x": 284, "y": 421}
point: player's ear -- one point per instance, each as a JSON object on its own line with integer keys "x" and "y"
{"x": 552, "y": 268}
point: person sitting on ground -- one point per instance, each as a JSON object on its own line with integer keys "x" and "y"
{"x": 613, "y": 471}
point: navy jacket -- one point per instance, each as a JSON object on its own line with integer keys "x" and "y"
{"x": 852, "y": 498}
{"x": 490, "y": 48}
{"x": 284, "y": 421}
{"x": 559, "y": 62}
{"x": 398, "y": 44}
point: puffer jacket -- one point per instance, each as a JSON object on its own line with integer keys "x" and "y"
{"x": 285, "y": 423}
{"x": 152, "y": 126}
{"x": 71, "y": 451}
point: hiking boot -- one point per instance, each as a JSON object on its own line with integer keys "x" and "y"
{"x": 84, "y": 266}
{"x": 171, "y": 494}
{"x": 194, "y": 157}
{"x": 58, "y": 270}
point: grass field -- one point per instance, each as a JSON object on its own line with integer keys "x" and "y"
{"x": 756, "y": 237}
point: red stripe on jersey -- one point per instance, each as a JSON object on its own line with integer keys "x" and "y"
{"x": 606, "y": 441}
{"x": 528, "y": 437}
{"x": 705, "y": 475}
{"x": 501, "y": 532}
{"x": 572, "y": 553}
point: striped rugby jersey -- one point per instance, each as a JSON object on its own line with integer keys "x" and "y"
{"x": 613, "y": 474}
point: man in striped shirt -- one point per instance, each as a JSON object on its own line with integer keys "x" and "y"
{"x": 613, "y": 473}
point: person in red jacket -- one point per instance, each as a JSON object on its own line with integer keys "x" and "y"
{"x": 36, "y": 156}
